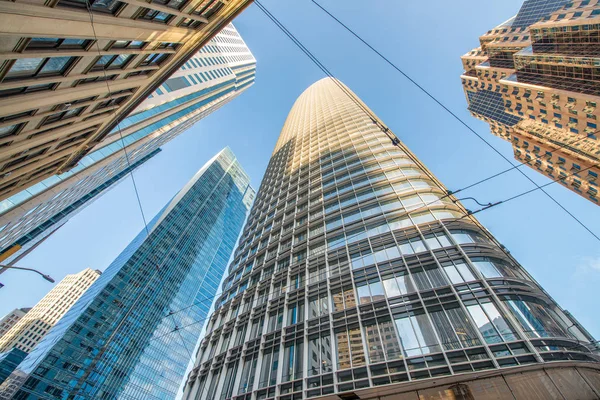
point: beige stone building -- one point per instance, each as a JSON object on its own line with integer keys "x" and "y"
{"x": 10, "y": 319}
{"x": 71, "y": 69}
{"x": 536, "y": 80}
{"x": 34, "y": 325}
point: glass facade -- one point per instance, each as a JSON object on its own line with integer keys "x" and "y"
{"x": 43, "y": 230}
{"x": 9, "y": 361}
{"x": 354, "y": 270}
{"x": 218, "y": 73}
{"x": 489, "y": 104}
{"x": 533, "y": 10}
{"x": 131, "y": 334}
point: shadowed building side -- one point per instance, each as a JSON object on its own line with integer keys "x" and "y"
{"x": 70, "y": 70}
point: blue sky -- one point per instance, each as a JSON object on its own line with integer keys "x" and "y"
{"x": 427, "y": 42}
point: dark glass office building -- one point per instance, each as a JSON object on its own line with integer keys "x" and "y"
{"x": 132, "y": 334}
{"x": 356, "y": 277}
{"x": 9, "y": 361}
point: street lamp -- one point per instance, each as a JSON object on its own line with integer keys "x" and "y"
{"x": 46, "y": 277}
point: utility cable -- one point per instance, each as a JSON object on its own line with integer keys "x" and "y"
{"x": 406, "y": 213}
{"x": 395, "y": 140}
{"x": 461, "y": 121}
{"x": 156, "y": 268}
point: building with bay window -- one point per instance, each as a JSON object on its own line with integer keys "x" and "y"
{"x": 536, "y": 80}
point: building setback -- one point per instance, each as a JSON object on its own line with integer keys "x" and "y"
{"x": 356, "y": 277}
{"x": 71, "y": 69}
{"x": 34, "y": 325}
{"x": 131, "y": 335}
{"x": 536, "y": 80}
{"x": 218, "y": 73}
{"x": 10, "y": 319}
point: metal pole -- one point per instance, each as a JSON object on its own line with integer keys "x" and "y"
{"x": 46, "y": 277}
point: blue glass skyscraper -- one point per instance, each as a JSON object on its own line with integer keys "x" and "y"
{"x": 131, "y": 335}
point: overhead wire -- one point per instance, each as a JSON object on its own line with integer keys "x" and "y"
{"x": 408, "y": 213}
{"x": 156, "y": 271}
{"x": 375, "y": 120}
{"x": 396, "y": 142}
{"x": 460, "y": 120}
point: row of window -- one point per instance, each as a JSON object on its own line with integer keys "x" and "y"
{"x": 419, "y": 332}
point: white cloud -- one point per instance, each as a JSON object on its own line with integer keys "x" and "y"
{"x": 589, "y": 265}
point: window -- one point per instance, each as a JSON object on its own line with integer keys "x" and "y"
{"x": 269, "y": 366}
{"x": 56, "y": 43}
{"x": 344, "y": 298}
{"x": 318, "y": 305}
{"x": 112, "y": 62}
{"x": 382, "y": 341}
{"x": 62, "y": 115}
{"x": 176, "y": 83}
{"x": 96, "y": 79}
{"x": 436, "y": 241}
{"x": 127, "y": 44}
{"x": 248, "y": 372}
{"x": 154, "y": 59}
{"x": 491, "y": 324}
{"x": 9, "y": 130}
{"x": 319, "y": 355}
{"x": 370, "y": 291}
{"x": 493, "y": 268}
{"x": 292, "y": 361}
{"x": 24, "y": 68}
{"x": 295, "y": 314}
{"x": 458, "y": 272}
{"x": 536, "y": 317}
{"x": 106, "y": 6}
{"x": 350, "y": 351}
{"x": 416, "y": 333}
{"x": 454, "y": 327}
{"x": 155, "y": 16}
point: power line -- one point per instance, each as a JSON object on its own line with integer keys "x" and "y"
{"x": 533, "y": 189}
{"x": 406, "y": 213}
{"x": 104, "y": 347}
{"x": 394, "y": 139}
{"x": 462, "y": 122}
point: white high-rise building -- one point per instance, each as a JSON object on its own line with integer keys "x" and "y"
{"x": 218, "y": 73}
{"x": 35, "y": 324}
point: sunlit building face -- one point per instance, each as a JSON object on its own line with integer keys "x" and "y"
{"x": 355, "y": 271}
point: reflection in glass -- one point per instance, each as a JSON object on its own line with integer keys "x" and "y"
{"x": 537, "y": 319}
{"x": 416, "y": 334}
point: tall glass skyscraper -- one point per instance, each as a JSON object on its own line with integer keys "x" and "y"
{"x": 356, "y": 277}
{"x": 218, "y": 73}
{"x": 130, "y": 336}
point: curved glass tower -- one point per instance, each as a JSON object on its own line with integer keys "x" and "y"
{"x": 355, "y": 277}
